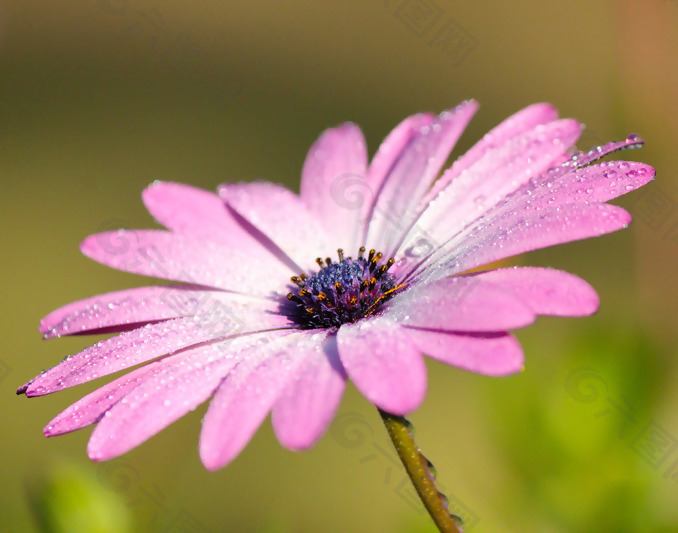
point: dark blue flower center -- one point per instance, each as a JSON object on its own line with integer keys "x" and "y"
{"x": 341, "y": 292}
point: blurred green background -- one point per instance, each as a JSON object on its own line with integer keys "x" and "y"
{"x": 99, "y": 98}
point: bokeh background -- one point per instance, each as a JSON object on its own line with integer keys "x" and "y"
{"x": 99, "y": 98}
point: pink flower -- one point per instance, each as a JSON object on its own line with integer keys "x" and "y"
{"x": 239, "y": 330}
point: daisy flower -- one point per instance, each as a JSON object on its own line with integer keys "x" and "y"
{"x": 280, "y": 298}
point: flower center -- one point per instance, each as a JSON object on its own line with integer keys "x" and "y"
{"x": 341, "y": 292}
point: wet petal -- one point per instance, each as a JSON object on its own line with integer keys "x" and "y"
{"x": 180, "y": 385}
{"x": 166, "y": 255}
{"x": 461, "y": 303}
{"x": 333, "y": 182}
{"x": 392, "y": 148}
{"x": 146, "y": 343}
{"x": 145, "y": 304}
{"x": 383, "y": 363}
{"x": 524, "y": 120}
{"x": 396, "y": 204}
{"x": 491, "y": 179}
{"x": 595, "y": 183}
{"x": 492, "y": 354}
{"x": 89, "y": 409}
{"x": 546, "y": 291}
{"x": 307, "y": 406}
{"x": 580, "y": 159}
{"x": 198, "y": 213}
{"x": 521, "y": 231}
{"x": 246, "y": 396}
{"x": 280, "y": 215}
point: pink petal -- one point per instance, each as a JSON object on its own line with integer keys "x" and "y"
{"x": 515, "y": 125}
{"x": 518, "y": 232}
{"x": 383, "y": 363}
{"x": 148, "y": 342}
{"x": 392, "y": 148}
{"x": 89, "y": 409}
{"x": 333, "y": 182}
{"x": 460, "y": 303}
{"x": 546, "y": 291}
{"x": 280, "y": 215}
{"x": 492, "y": 354}
{"x": 246, "y": 396}
{"x": 491, "y": 179}
{"x": 396, "y": 204}
{"x": 141, "y": 305}
{"x": 176, "y": 257}
{"x": 198, "y": 213}
{"x": 595, "y": 183}
{"x": 182, "y": 384}
{"x": 307, "y": 406}
{"x": 390, "y": 151}
{"x": 581, "y": 159}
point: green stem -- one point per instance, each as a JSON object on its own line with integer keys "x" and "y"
{"x": 419, "y": 470}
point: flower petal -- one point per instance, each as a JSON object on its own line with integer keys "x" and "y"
{"x": 198, "y": 213}
{"x": 498, "y": 237}
{"x": 594, "y": 183}
{"x": 392, "y": 148}
{"x": 334, "y": 171}
{"x": 140, "y": 345}
{"x": 494, "y": 176}
{"x": 136, "y": 307}
{"x": 396, "y": 203}
{"x": 546, "y": 291}
{"x": 524, "y": 120}
{"x": 307, "y": 406}
{"x": 383, "y": 363}
{"x": 460, "y": 303}
{"x": 580, "y": 159}
{"x": 246, "y": 396}
{"x": 183, "y": 383}
{"x": 166, "y": 255}
{"x": 89, "y": 409}
{"x": 280, "y": 215}
{"x": 492, "y": 354}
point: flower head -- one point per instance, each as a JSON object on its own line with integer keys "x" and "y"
{"x": 281, "y": 298}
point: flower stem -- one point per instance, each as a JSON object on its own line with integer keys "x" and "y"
{"x": 420, "y": 471}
